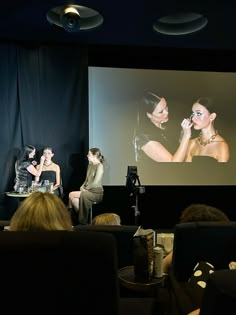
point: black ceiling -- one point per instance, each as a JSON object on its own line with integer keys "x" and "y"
{"x": 125, "y": 23}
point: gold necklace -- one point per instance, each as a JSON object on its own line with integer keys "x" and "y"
{"x": 209, "y": 140}
{"x": 47, "y": 165}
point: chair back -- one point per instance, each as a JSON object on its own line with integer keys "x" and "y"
{"x": 213, "y": 242}
{"x": 124, "y": 239}
{"x": 51, "y": 272}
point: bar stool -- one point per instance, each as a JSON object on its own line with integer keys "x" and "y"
{"x": 91, "y": 211}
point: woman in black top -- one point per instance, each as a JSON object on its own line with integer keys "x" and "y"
{"x": 150, "y": 136}
{"x": 25, "y": 169}
{"x": 50, "y": 170}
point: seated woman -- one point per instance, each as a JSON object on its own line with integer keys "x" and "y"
{"x": 80, "y": 201}
{"x": 50, "y": 171}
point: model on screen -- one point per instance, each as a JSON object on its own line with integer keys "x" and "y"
{"x": 150, "y": 137}
{"x": 209, "y": 142}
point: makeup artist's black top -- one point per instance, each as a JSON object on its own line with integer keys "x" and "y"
{"x": 23, "y": 177}
{"x": 143, "y": 136}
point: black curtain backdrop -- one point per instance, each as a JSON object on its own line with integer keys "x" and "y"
{"x": 43, "y": 102}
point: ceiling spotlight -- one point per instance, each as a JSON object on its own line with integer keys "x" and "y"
{"x": 70, "y": 19}
{"x": 74, "y": 18}
{"x": 180, "y": 23}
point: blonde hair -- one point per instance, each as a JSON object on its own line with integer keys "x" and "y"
{"x": 107, "y": 219}
{"x": 41, "y": 211}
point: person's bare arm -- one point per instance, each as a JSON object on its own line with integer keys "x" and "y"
{"x": 157, "y": 152}
{"x": 188, "y": 157}
{"x": 58, "y": 177}
{"x": 180, "y": 154}
{"x": 223, "y": 155}
{"x": 167, "y": 262}
{"x": 36, "y": 171}
{"x": 37, "y": 177}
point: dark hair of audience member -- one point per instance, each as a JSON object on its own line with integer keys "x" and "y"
{"x": 201, "y": 212}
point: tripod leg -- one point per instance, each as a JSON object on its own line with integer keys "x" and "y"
{"x": 136, "y": 211}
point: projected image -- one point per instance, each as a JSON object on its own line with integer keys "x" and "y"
{"x": 150, "y": 118}
{"x": 150, "y": 136}
{"x": 209, "y": 142}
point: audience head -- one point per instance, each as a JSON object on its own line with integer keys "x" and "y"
{"x": 107, "y": 219}
{"x": 201, "y": 212}
{"x": 39, "y": 212}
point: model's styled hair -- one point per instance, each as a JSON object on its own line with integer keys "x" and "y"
{"x": 207, "y": 102}
{"x": 41, "y": 211}
{"x": 107, "y": 219}
{"x": 96, "y": 152}
{"x": 202, "y": 212}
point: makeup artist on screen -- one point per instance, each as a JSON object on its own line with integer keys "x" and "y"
{"x": 91, "y": 190}
{"x": 25, "y": 167}
{"x": 209, "y": 142}
{"x": 50, "y": 170}
{"x": 150, "y": 136}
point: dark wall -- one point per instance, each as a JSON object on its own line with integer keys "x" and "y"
{"x": 160, "y": 206}
{"x": 44, "y": 103}
{"x": 161, "y": 58}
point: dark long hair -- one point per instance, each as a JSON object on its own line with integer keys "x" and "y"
{"x": 148, "y": 104}
{"x": 207, "y": 102}
{"x": 143, "y": 124}
{"x": 202, "y": 212}
{"x": 27, "y": 149}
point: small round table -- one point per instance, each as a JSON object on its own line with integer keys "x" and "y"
{"x": 17, "y": 195}
{"x": 15, "y": 200}
{"x": 127, "y": 279}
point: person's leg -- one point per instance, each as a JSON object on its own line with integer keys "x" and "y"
{"x": 74, "y": 200}
{"x": 86, "y": 200}
{"x": 73, "y": 206}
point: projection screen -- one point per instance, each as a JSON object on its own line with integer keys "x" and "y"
{"x": 115, "y": 99}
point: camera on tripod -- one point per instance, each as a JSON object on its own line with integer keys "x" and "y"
{"x": 135, "y": 189}
{"x": 133, "y": 184}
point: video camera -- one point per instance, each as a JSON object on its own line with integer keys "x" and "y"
{"x": 132, "y": 181}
